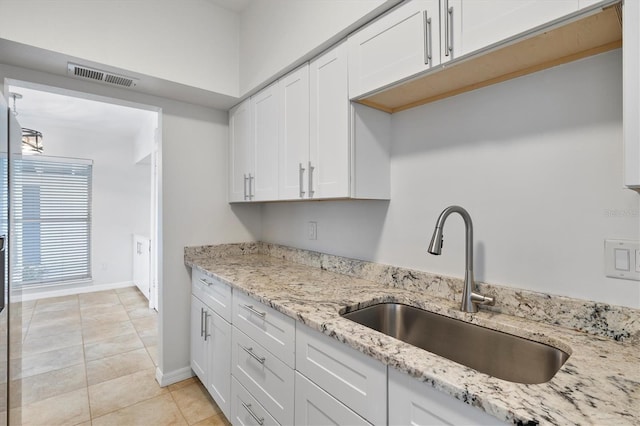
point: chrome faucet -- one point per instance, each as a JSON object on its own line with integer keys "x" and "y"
{"x": 470, "y": 299}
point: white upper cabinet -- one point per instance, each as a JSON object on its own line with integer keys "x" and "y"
{"x": 264, "y": 105}
{"x": 240, "y": 151}
{"x": 349, "y": 144}
{"x": 401, "y": 43}
{"x": 294, "y": 133}
{"x": 631, "y": 93}
{"x": 474, "y": 24}
{"x": 328, "y": 174}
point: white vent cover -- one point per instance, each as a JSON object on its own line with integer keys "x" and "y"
{"x": 80, "y": 71}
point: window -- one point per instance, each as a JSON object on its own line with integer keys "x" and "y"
{"x": 52, "y": 220}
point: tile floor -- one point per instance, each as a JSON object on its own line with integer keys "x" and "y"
{"x": 89, "y": 359}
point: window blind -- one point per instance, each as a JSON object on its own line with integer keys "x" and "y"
{"x": 51, "y": 220}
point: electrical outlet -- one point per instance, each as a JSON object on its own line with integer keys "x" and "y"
{"x": 312, "y": 230}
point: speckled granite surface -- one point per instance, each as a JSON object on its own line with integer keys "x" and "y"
{"x": 598, "y": 385}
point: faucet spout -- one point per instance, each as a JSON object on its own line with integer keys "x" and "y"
{"x": 470, "y": 299}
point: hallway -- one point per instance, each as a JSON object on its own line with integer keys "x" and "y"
{"x": 90, "y": 359}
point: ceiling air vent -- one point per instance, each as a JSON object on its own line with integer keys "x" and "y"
{"x": 83, "y": 72}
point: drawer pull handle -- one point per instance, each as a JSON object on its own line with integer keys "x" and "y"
{"x": 253, "y": 310}
{"x": 202, "y": 280}
{"x": 247, "y": 407}
{"x": 250, "y": 352}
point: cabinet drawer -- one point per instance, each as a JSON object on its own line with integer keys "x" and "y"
{"x": 267, "y": 378}
{"x": 246, "y": 410}
{"x": 358, "y": 381}
{"x": 270, "y": 328}
{"x": 214, "y": 293}
{"x": 315, "y": 407}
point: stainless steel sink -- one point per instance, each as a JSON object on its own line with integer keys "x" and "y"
{"x": 498, "y": 354}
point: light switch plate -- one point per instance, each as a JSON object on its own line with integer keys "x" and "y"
{"x": 622, "y": 259}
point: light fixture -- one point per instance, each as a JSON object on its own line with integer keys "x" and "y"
{"x": 31, "y": 141}
{"x": 15, "y": 96}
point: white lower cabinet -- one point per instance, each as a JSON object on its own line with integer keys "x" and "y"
{"x": 246, "y": 410}
{"x": 315, "y": 407}
{"x": 211, "y": 338}
{"x": 265, "y": 376}
{"x": 412, "y": 402}
{"x": 358, "y": 381}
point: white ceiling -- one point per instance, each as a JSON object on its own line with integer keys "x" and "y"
{"x": 39, "y": 108}
{"x": 233, "y": 5}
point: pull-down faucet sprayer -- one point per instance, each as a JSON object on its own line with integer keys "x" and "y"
{"x": 470, "y": 299}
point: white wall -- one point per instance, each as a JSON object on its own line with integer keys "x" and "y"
{"x": 276, "y": 33}
{"x": 192, "y": 42}
{"x": 537, "y": 161}
{"x": 121, "y": 194}
{"x": 194, "y": 199}
{"x": 145, "y": 140}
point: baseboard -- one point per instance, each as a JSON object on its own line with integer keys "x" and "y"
{"x": 175, "y": 376}
{"x": 34, "y": 294}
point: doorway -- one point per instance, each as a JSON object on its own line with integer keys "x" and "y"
{"x": 77, "y": 204}
{"x": 119, "y": 142}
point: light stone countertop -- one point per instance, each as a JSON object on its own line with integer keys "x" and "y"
{"x": 598, "y": 385}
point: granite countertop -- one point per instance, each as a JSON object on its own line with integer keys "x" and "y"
{"x": 598, "y": 385}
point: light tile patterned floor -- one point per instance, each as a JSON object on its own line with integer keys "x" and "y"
{"x": 89, "y": 359}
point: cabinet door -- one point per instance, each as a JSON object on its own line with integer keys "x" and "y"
{"x": 412, "y": 402}
{"x": 240, "y": 151}
{"x": 480, "y": 23}
{"x": 294, "y": 133}
{"x": 219, "y": 359}
{"x": 315, "y": 407}
{"x": 329, "y": 145}
{"x": 401, "y": 43}
{"x": 198, "y": 348}
{"x": 264, "y": 184}
{"x": 353, "y": 378}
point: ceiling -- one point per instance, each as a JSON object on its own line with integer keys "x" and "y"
{"x": 39, "y": 108}
{"x": 233, "y": 5}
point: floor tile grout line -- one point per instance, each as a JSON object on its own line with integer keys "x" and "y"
{"x": 178, "y": 405}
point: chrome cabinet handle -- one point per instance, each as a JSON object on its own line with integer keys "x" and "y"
{"x": 247, "y": 407}
{"x": 251, "y": 179}
{"x": 301, "y": 176}
{"x": 253, "y": 310}
{"x": 253, "y": 355}
{"x": 311, "y": 169}
{"x": 448, "y": 30}
{"x": 245, "y": 187}
{"x": 201, "y": 322}
{"x": 427, "y": 38}
{"x": 206, "y": 332}
{"x": 202, "y": 280}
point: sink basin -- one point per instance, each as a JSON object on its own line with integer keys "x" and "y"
{"x": 498, "y": 354}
